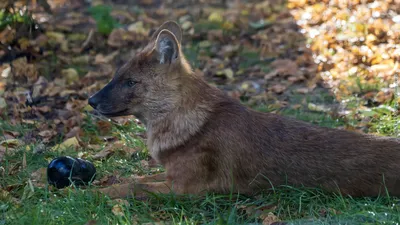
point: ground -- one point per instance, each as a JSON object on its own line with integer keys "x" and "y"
{"x": 331, "y": 63}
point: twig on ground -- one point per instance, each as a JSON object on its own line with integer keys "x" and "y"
{"x": 87, "y": 41}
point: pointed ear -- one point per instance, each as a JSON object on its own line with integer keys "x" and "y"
{"x": 167, "y": 47}
{"x": 172, "y": 27}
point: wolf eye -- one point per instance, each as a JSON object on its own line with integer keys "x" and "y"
{"x": 131, "y": 83}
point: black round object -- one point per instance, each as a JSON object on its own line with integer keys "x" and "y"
{"x": 62, "y": 170}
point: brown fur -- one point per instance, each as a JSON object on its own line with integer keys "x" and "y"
{"x": 209, "y": 142}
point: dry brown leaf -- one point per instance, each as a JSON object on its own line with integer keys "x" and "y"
{"x": 100, "y": 58}
{"x": 285, "y": 67}
{"x": 118, "y": 210}
{"x": 120, "y": 37}
{"x": 39, "y": 177}
{"x": 278, "y": 88}
{"x": 7, "y": 35}
{"x": 103, "y": 154}
{"x": 47, "y": 133}
{"x": 104, "y": 127}
{"x": 138, "y": 28}
{"x": 43, "y": 109}
{"x": 23, "y": 71}
{"x": 12, "y": 133}
{"x": 269, "y": 219}
{"x": 302, "y": 90}
{"x": 11, "y": 143}
{"x": 74, "y": 132}
{"x": 110, "y": 180}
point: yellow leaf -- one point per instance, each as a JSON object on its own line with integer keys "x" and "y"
{"x": 270, "y": 219}
{"x": 117, "y": 210}
{"x": 88, "y": 108}
{"x": 215, "y": 17}
{"x": 70, "y": 142}
{"x": 227, "y": 26}
{"x": 57, "y": 36}
{"x": 228, "y": 73}
{"x": 11, "y": 143}
{"x": 71, "y": 75}
{"x": 138, "y": 28}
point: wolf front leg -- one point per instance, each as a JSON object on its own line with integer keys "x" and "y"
{"x": 136, "y": 189}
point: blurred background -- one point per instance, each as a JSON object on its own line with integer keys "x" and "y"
{"x": 331, "y": 55}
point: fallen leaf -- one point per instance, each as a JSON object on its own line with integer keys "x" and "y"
{"x": 39, "y": 177}
{"x": 7, "y": 35}
{"x": 3, "y": 103}
{"x": 43, "y": 109}
{"x": 11, "y": 143}
{"x": 74, "y": 132}
{"x": 29, "y": 190}
{"x": 278, "y": 88}
{"x": 110, "y": 179}
{"x": 70, "y": 142}
{"x": 228, "y": 73}
{"x": 318, "y": 108}
{"x": 269, "y": 219}
{"x": 100, "y": 58}
{"x": 118, "y": 210}
{"x": 302, "y": 90}
{"x": 215, "y": 17}
{"x": 138, "y": 28}
{"x": 47, "y": 133}
{"x": 58, "y": 38}
{"x": 106, "y": 152}
{"x": 120, "y": 37}
{"x": 39, "y": 148}
{"x": 104, "y": 127}
{"x": 24, "y": 72}
{"x": 71, "y": 75}
{"x": 285, "y": 67}
{"x": 83, "y": 59}
{"x": 186, "y": 25}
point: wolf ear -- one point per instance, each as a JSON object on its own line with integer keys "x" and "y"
{"x": 167, "y": 47}
{"x": 172, "y": 27}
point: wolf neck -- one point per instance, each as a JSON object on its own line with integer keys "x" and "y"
{"x": 184, "y": 121}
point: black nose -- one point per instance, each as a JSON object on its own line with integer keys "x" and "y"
{"x": 94, "y": 101}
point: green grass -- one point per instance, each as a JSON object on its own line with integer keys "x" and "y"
{"x": 46, "y": 205}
